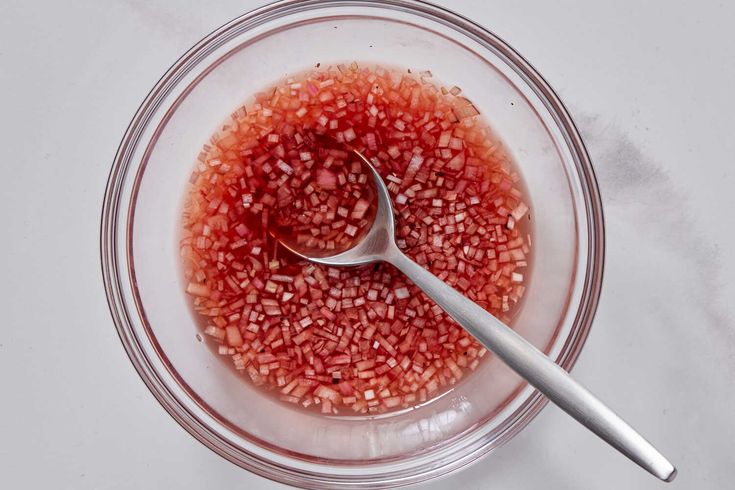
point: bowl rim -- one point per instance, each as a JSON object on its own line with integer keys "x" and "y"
{"x": 113, "y": 274}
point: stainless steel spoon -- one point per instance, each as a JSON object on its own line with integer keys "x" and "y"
{"x": 378, "y": 245}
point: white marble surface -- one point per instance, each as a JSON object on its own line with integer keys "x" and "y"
{"x": 650, "y": 84}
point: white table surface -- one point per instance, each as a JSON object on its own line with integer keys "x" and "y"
{"x": 651, "y": 87}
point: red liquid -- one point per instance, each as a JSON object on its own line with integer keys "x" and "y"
{"x": 362, "y": 339}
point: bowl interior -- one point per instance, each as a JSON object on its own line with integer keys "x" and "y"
{"x": 218, "y": 80}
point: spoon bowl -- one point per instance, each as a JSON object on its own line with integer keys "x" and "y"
{"x": 374, "y": 246}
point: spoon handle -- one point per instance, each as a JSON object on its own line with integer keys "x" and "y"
{"x": 540, "y": 371}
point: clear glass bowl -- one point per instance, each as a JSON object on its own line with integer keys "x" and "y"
{"x": 141, "y": 265}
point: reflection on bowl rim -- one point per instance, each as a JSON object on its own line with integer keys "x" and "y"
{"x": 197, "y": 425}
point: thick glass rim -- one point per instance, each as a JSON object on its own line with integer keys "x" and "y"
{"x": 116, "y": 266}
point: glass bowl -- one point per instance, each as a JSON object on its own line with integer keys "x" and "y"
{"x": 141, "y": 267}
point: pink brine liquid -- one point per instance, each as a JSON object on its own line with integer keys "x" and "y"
{"x": 356, "y": 340}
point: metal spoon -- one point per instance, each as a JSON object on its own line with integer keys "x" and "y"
{"x": 378, "y": 245}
